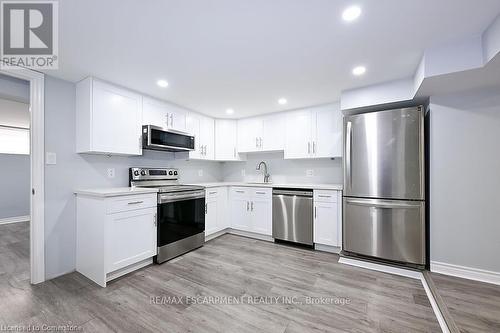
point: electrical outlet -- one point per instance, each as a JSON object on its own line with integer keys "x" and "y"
{"x": 200, "y": 172}
{"x": 309, "y": 173}
{"x": 111, "y": 172}
{"x": 243, "y": 173}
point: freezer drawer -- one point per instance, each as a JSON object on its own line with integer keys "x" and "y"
{"x": 386, "y": 229}
{"x": 293, "y": 216}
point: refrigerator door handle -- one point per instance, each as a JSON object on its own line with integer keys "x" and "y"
{"x": 348, "y": 153}
{"x": 383, "y": 203}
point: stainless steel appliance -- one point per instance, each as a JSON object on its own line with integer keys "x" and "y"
{"x": 384, "y": 186}
{"x": 157, "y": 138}
{"x": 293, "y": 215}
{"x": 181, "y": 211}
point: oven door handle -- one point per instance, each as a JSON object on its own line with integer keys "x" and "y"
{"x": 166, "y": 198}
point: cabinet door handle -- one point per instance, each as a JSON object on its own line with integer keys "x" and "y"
{"x": 135, "y": 202}
{"x": 251, "y": 206}
{"x": 314, "y": 147}
{"x": 248, "y": 206}
{"x": 155, "y": 221}
{"x": 315, "y": 212}
{"x": 172, "y": 119}
{"x": 309, "y": 147}
{"x": 234, "y": 152}
{"x": 260, "y": 145}
{"x": 206, "y": 208}
{"x": 256, "y": 142}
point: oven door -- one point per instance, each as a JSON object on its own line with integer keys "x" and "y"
{"x": 180, "y": 215}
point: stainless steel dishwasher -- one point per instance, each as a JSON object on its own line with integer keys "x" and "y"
{"x": 293, "y": 215}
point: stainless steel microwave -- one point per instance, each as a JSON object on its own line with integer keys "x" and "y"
{"x": 157, "y": 138}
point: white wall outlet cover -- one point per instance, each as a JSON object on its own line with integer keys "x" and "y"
{"x": 111, "y": 173}
{"x": 200, "y": 173}
{"x": 309, "y": 173}
{"x": 50, "y": 158}
{"x": 243, "y": 173}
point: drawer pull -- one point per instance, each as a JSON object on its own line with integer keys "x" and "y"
{"x": 324, "y": 196}
{"x": 135, "y": 202}
{"x": 240, "y": 191}
{"x": 212, "y": 193}
{"x": 260, "y": 192}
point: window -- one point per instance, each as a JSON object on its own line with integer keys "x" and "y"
{"x": 14, "y": 140}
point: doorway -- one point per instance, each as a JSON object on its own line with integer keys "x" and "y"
{"x": 26, "y": 139}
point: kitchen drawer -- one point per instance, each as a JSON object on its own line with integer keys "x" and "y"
{"x": 238, "y": 192}
{"x": 131, "y": 202}
{"x": 325, "y": 196}
{"x": 262, "y": 192}
{"x": 212, "y": 192}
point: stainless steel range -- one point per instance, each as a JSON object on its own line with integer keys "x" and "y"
{"x": 181, "y": 211}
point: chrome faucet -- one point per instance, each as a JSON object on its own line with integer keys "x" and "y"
{"x": 266, "y": 175}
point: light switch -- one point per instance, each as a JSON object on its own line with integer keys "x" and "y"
{"x": 111, "y": 172}
{"x": 50, "y": 158}
{"x": 200, "y": 173}
{"x": 309, "y": 173}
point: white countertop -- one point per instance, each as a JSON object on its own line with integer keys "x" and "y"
{"x": 114, "y": 191}
{"x": 335, "y": 187}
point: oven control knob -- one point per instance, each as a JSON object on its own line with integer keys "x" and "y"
{"x": 143, "y": 172}
{"x": 170, "y": 173}
{"x": 136, "y": 173}
{"x": 175, "y": 173}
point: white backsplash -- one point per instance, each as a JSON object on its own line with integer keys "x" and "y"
{"x": 313, "y": 171}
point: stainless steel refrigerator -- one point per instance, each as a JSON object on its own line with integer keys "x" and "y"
{"x": 384, "y": 186}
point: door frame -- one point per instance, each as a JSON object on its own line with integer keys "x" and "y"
{"x": 37, "y": 151}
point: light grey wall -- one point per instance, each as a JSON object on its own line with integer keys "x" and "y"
{"x": 465, "y": 179}
{"x": 14, "y": 185}
{"x": 285, "y": 171}
{"x": 74, "y": 171}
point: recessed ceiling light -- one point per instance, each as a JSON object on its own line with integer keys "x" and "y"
{"x": 359, "y": 70}
{"x": 162, "y": 83}
{"x": 351, "y": 13}
{"x": 282, "y": 101}
{"x": 229, "y": 111}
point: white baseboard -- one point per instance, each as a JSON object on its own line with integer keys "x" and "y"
{"x": 251, "y": 235}
{"x": 15, "y": 219}
{"x": 327, "y": 248}
{"x": 381, "y": 268}
{"x": 469, "y": 273}
{"x": 216, "y": 234}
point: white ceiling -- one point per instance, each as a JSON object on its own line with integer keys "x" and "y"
{"x": 245, "y": 54}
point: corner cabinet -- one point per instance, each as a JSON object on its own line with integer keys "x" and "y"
{"x": 115, "y": 235}
{"x": 226, "y": 138}
{"x": 314, "y": 133}
{"x": 108, "y": 119}
{"x": 327, "y": 220}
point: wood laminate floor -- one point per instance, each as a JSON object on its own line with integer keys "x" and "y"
{"x": 230, "y": 266}
{"x": 473, "y": 306}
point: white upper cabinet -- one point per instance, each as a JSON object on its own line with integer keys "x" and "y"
{"x": 261, "y": 133}
{"x": 164, "y": 115}
{"x": 226, "y": 138}
{"x": 314, "y": 133}
{"x": 108, "y": 119}
{"x": 203, "y": 129}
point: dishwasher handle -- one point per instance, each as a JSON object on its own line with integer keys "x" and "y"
{"x": 304, "y": 193}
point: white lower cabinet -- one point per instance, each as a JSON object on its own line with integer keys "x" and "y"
{"x": 327, "y": 218}
{"x": 251, "y": 209}
{"x": 115, "y": 235}
{"x": 215, "y": 210}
